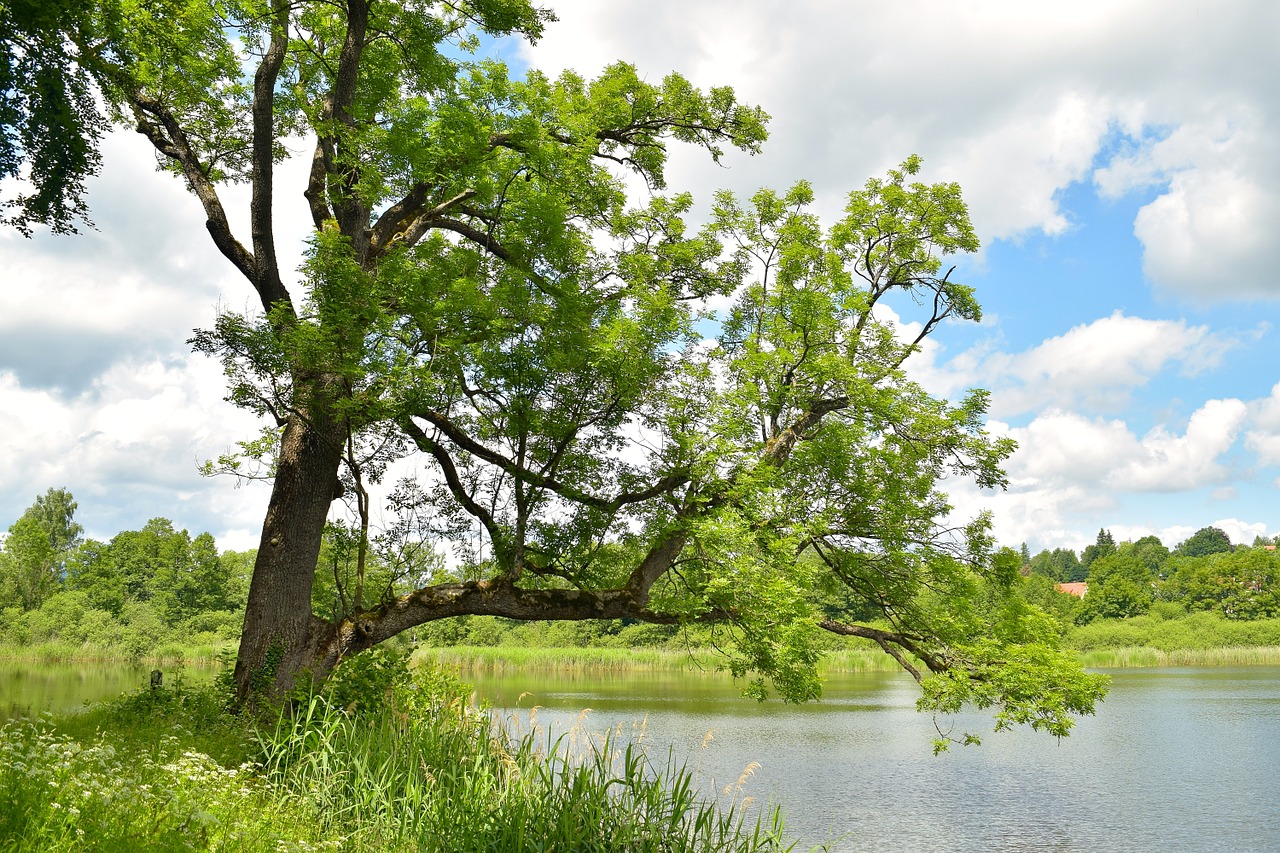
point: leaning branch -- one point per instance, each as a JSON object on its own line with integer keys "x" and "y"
{"x": 892, "y": 642}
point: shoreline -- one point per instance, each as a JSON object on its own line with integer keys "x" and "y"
{"x": 499, "y": 659}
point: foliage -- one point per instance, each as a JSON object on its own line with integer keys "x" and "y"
{"x": 1202, "y": 543}
{"x": 144, "y": 590}
{"x": 1150, "y": 551}
{"x": 1104, "y": 546}
{"x": 50, "y": 123}
{"x": 1119, "y": 586}
{"x": 34, "y": 557}
{"x": 169, "y": 769}
{"x": 1060, "y": 564}
{"x": 483, "y": 289}
{"x": 1195, "y": 631}
{"x": 1240, "y": 584}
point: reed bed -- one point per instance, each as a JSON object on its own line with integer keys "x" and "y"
{"x": 1146, "y": 656}
{"x": 497, "y": 660}
{"x": 168, "y": 654}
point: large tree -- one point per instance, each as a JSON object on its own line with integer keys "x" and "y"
{"x": 482, "y": 292}
{"x": 33, "y": 560}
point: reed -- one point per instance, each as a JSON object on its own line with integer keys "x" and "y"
{"x": 1146, "y": 656}
{"x": 168, "y": 654}
{"x": 497, "y": 660}
{"x": 415, "y": 768}
{"x": 500, "y": 659}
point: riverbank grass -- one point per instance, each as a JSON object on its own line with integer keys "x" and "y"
{"x": 497, "y": 660}
{"x": 163, "y": 655}
{"x": 1146, "y": 656}
{"x": 409, "y": 764}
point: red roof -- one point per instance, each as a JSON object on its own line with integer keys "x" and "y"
{"x": 1076, "y": 589}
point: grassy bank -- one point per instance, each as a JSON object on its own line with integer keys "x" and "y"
{"x": 1140, "y": 656}
{"x": 163, "y": 655}
{"x": 403, "y": 766}
{"x": 499, "y": 659}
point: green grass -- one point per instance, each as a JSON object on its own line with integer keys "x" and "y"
{"x": 166, "y": 654}
{"x": 407, "y": 766}
{"x": 1140, "y": 656}
{"x": 500, "y": 659}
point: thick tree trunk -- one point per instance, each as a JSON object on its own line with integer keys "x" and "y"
{"x": 281, "y": 638}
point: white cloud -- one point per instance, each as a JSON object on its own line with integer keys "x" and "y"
{"x": 1263, "y": 438}
{"x": 1063, "y": 448}
{"x": 1095, "y": 366}
{"x": 1016, "y": 101}
{"x": 129, "y": 448}
{"x": 1071, "y": 474}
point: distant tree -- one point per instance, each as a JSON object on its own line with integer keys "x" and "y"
{"x": 137, "y": 556}
{"x": 1119, "y": 587}
{"x": 1150, "y": 551}
{"x": 37, "y": 547}
{"x": 1060, "y": 564}
{"x": 192, "y": 580}
{"x": 1025, "y": 553}
{"x": 1103, "y": 546}
{"x": 238, "y": 568}
{"x": 1041, "y": 591}
{"x": 90, "y": 570}
{"x": 1205, "y": 541}
{"x": 1240, "y": 584}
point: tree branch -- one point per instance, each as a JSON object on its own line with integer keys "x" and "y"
{"x": 170, "y": 140}
{"x": 270, "y": 288}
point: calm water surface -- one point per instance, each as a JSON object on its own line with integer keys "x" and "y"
{"x": 1176, "y": 759}
{"x": 59, "y": 687}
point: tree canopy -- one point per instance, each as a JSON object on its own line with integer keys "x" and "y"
{"x": 485, "y": 294}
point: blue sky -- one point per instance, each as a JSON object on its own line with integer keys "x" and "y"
{"x": 1118, "y": 159}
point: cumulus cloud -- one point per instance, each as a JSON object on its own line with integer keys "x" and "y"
{"x": 98, "y": 389}
{"x": 129, "y": 449}
{"x": 1263, "y": 437}
{"x": 1064, "y": 448}
{"x": 1096, "y": 366}
{"x": 1016, "y": 101}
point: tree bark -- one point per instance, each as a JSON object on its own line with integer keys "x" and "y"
{"x": 281, "y": 638}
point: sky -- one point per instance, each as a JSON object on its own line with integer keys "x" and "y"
{"x": 1113, "y": 154}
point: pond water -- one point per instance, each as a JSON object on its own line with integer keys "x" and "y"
{"x": 31, "y": 688}
{"x": 1176, "y": 759}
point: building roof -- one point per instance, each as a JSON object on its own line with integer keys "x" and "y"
{"x": 1076, "y": 589}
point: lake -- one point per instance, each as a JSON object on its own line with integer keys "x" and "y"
{"x": 1176, "y": 759}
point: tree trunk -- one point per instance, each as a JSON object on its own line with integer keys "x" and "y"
{"x": 281, "y": 637}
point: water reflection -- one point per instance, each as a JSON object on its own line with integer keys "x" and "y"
{"x": 1178, "y": 759}
{"x": 61, "y": 687}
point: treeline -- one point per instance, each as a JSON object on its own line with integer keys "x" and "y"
{"x": 1205, "y": 573}
{"x": 160, "y": 591}
{"x": 133, "y": 596}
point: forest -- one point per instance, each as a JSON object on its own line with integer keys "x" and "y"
{"x": 160, "y": 592}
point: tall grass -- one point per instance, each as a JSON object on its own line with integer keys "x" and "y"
{"x": 1140, "y": 656}
{"x": 166, "y": 654}
{"x": 497, "y": 660}
{"x": 429, "y": 771}
{"x": 410, "y": 766}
